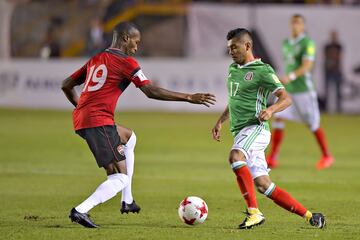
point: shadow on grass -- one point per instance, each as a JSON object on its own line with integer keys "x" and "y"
{"x": 64, "y": 226}
{"x": 163, "y": 226}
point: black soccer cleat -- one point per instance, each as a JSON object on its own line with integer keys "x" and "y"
{"x": 132, "y": 207}
{"x": 317, "y": 220}
{"x": 82, "y": 219}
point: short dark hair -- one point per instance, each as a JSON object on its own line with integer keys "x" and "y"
{"x": 297, "y": 15}
{"x": 124, "y": 28}
{"x": 238, "y": 33}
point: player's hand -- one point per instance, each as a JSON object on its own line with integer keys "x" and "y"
{"x": 265, "y": 114}
{"x": 206, "y": 99}
{"x": 216, "y": 132}
{"x": 285, "y": 80}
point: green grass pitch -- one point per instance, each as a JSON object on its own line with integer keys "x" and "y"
{"x": 45, "y": 170}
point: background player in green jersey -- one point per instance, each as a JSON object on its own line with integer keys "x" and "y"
{"x": 299, "y": 56}
{"x": 249, "y": 83}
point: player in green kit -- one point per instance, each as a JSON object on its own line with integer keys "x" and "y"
{"x": 249, "y": 83}
{"x": 299, "y": 56}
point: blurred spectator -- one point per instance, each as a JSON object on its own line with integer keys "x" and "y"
{"x": 333, "y": 70}
{"x": 357, "y": 70}
{"x": 95, "y": 39}
{"x": 50, "y": 47}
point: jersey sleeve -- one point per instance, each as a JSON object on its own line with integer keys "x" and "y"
{"x": 136, "y": 75}
{"x": 270, "y": 81}
{"x": 80, "y": 73}
{"x": 310, "y": 50}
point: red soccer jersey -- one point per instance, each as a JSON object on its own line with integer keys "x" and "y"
{"x": 106, "y": 76}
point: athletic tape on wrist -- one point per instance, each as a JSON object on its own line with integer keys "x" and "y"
{"x": 292, "y": 76}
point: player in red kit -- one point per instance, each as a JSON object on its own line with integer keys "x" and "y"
{"x": 105, "y": 77}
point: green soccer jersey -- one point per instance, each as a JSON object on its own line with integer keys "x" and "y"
{"x": 248, "y": 88}
{"x": 294, "y": 51}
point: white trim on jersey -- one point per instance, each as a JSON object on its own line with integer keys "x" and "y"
{"x": 277, "y": 89}
{"x": 249, "y": 63}
{"x": 259, "y": 98}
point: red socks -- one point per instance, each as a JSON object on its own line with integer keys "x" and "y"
{"x": 277, "y": 137}
{"x": 246, "y": 185}
{"x": 276, "y": 140}
{"x": 320, "y": 137}
{"x": 284, "y": 200}
{"x": 279, "y": 196}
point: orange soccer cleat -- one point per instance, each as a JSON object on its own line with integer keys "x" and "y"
{"x": 325, "y": 162}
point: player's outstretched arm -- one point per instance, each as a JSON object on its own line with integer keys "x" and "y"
{"x": 284, "y": 100}
{"x": 68, "y": 88}
{"x": 217, "y": 128}
{"x": 152, "y": 91}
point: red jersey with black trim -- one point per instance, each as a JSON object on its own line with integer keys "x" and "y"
{"x": 106, "y": 77}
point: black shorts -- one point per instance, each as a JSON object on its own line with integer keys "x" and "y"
{"x": 104, "y": 143}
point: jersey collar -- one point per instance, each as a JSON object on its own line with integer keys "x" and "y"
{"x": 297, "y": 39}
{"x": 249, "y": 63}
{"x": 116, "y": 49}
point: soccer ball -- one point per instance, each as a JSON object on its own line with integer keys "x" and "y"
{"x": 193, "y": 210}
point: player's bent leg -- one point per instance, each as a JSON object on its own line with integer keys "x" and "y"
{"x": 278, "y": 126}
{"x": 279, "y": 196}
{"x": 245, "y": 182}
{"x": 128, "y": 138}
{"x": 244, "y": 179}
{"x": 286, "y": 201}
{"x": 132, "y": 206}
{"x": 116, "y": 181}
{"x": 262, "y": 183}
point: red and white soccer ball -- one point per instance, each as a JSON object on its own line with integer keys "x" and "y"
{"x": 193, "y": 210}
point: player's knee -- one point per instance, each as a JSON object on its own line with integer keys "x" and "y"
{"x": 261, "y": 188}
{"x": 237, "y": 164}
{"x": 134, "y": 138}
{"x": 236, "y": 155}
{"x": 110, "y": 169}
{"x": 123, "y": 178}
{"x": 315, "y": 126}
{"x": 124, "y": 133}
{"x": 262, "y": 184}
{"x": 131, "y": 141}
{"x": 119, "y": 181}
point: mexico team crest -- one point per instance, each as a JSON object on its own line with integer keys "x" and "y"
{"x": 249, "y": 76}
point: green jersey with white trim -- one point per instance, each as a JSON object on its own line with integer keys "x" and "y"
{"x": 294, "y": 51}
{"x": 248, "y": 88}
